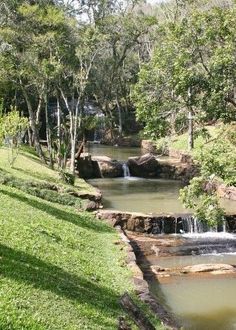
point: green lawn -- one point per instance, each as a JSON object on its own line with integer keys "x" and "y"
{"x": 59, "y": 269}
{"x": 29, "y": 167}
{"x": 180, "y": 142}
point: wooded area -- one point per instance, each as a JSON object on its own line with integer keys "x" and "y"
{"x": 158, "y": 70}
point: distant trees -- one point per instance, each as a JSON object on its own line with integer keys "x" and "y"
{"x": 191, "y": 73}
{"x": 181, "y": 64}
{"x": 49, "y": 51}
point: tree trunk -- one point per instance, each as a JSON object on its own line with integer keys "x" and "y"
{"x": 73, "y": 128}
{"x": 30, "y": 137}
{"x": 190, "y": 131}
{"x": 119, "y": 115}
{"x": 33, "y": 125}
{"x": 59, "y": 156}
{"x": 74, "y": 138}
{"x": 48, "y": 134}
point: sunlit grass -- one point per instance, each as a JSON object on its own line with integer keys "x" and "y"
{"x": 59, "y": 268}
{"x": 29, "y": 167}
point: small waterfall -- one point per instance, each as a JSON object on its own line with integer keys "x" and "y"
{"x": 224, "y": 228}
{"x": 126, "y": 172}
{"x": 96, "y": 138}
{"x": 192, "y": 225}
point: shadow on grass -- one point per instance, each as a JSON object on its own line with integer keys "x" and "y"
{"x": 83, "y": 221}
{"x": 26, "y": 268}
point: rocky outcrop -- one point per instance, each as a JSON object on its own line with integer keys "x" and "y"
{"x": 146, "y": 166}
{"x": 200, "y": 269}
{"x": 228, "y": 192}
{"x": 149, "y": 166}
{"x": 148, "y": 146}
{"x": 174, "y": 169}
{"x": 109, "y": 168}
{"x": 142, "y": 288}
{"x": 142, "y": 223}
{"x": 155, "y": 223}
{"x": 203, "y": 268}
{"x": 89, "y": 167}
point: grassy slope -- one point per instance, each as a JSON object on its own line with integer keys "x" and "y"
{"x": 29, "y": 167}
{"x": 58, "y": 269}
{"x": 181, "y": 142}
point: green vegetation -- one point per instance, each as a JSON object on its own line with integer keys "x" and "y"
{"x": 188, "y": 84}
{"x": 217, "y": 162}
{"x": 12, "y": 128}
{"x": 60, "y": 269}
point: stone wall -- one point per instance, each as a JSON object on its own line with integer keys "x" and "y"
{"x": 155, "y": 223}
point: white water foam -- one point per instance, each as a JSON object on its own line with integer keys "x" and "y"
{"x": 209, "y": 234}
{"x": 126, "y": 172}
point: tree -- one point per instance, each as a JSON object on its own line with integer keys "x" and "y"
{"x": 124, "y": 37}
{"x": 191, "y": 71}
{"x": 12, "y": 130}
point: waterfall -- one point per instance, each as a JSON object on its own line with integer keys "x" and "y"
{"x": 126, "y": 172}
{"x": 192, "y": 225}
{"x": 96, "y": 138}
{"x": 224, "y": 229}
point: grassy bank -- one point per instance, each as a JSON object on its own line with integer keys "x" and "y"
{"x": 180, "y": 142}
{"x": 59, "y": 269}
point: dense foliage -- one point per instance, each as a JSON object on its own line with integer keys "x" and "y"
{"x": 172, "y": 65}
{"x": 57, "y": 60}
{"x": 191, "y": 75}
{"x": 217, "y": 162}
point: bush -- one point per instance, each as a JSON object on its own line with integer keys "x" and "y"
{"x": 67, "y": 177}
{"x": 42, "y": 190}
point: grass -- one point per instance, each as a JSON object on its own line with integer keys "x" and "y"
{"x": 29, "y": 167}
{"x": 59, "y": 269}
{"x": 180, "y": 142}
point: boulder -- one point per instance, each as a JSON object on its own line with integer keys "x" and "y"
{"x": 201, "y": 268}
{"x": 148, "y": 146}
{"x": 87, "y": 168}
{"x": 231, "y": 223}
{"x": 109, "y": 168}
{"x": 145, "y": 166}
{"x": 90, "y": 206}
{"x": 228, "y": 192}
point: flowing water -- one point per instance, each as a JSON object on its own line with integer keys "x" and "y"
{"x": 145, "y": 195}
{"x": 140, "y": 195}
{"x": 118, "y": 153}
{"x": 199, "y": 302}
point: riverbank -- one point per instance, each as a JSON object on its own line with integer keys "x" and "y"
{"x": 60, "y": 267}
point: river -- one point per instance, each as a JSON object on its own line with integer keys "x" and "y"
{"x": 199, "y": 302}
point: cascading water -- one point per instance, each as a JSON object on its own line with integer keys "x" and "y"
{"x": 192, "y": 225}
{"x": 96, "y": 138}
{"x": 126, "y": 172}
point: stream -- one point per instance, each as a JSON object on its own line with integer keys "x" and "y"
{"x": 201, "y": 301}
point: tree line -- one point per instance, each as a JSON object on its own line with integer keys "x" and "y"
{"x": 172, "y": 65}
{"x": 70, "y": 53}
